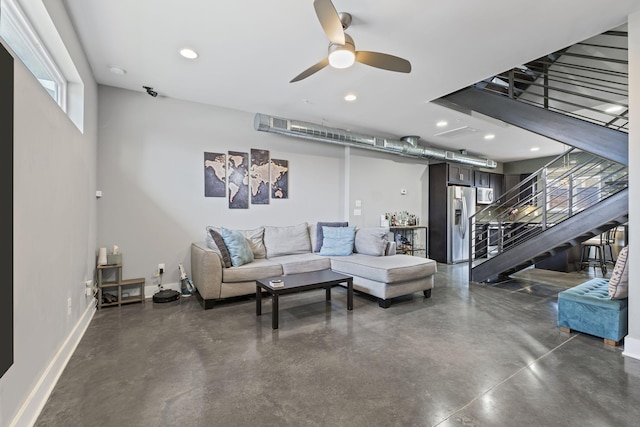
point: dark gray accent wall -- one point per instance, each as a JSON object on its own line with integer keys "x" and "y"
{"x": 6, "y": 195}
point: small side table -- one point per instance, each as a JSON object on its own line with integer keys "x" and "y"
{"x": 118, "y": 287}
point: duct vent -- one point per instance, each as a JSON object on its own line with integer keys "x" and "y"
{"x": 279, "y": 123}
{"x": 407, "y": 147}
{"x": 457, "y": 132}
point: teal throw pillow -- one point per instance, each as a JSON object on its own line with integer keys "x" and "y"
{"x": 338, "y": 241}
{"x": 238, "y": 247}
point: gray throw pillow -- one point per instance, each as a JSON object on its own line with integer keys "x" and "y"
{"x": 320, "y": 234}
{"x": 372, "y": 241}
{"x": 215, "y": 239}
{"x": 289, "y": 240}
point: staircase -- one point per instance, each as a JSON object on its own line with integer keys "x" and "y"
{"x": 577, "y": 96}
{"x": 573, "y": 198}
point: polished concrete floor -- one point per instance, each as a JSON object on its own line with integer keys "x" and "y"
{"x": 471, "y": 355}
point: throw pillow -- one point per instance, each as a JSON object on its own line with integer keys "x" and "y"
{"x": 320, "y": 235}
{"x": 254, "y": 238}
{"x": 287, "y": 240}
{"x": 338, "y": 241}
{"x": 238, "y": 246}
{"x": 256, "y": 241}
{"x": 220, "y": 247}
{"x": 372, "y": 241}
{"x": 619, "y": 282}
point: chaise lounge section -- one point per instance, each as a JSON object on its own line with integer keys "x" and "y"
{"x": 371, "y": 261}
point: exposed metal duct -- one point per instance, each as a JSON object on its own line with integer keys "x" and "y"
{"x": 408, "y": 146}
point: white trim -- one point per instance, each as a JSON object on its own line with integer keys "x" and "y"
{"x": 18, "y": 19}
{"x": 32, "y": 406}
{"x": 631, "y": 347}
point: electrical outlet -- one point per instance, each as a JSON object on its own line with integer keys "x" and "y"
{"x": 69, "y": 306}
{"x": 88, "y": 289}
{"x": 160, "y": 268}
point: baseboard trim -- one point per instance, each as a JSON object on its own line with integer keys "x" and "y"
{"x": 33, "y": 405}
{"x": 631, "y": 347}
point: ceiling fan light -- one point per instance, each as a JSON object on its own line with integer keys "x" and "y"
{"x": 342, "y": 58}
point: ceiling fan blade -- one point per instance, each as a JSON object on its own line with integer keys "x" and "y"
{"x": 330, "y": 20}
{"x": 311, "y": 70}
{"x": 383, "y": 61}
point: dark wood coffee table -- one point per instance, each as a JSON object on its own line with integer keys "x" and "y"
{"x": 301, "y": 282}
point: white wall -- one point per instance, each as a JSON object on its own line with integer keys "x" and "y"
{"x": 632, "y": 341}
{"x": 54, "y": 236}
{"x": 376, "y": 179}
{"x": 150, "y": 171}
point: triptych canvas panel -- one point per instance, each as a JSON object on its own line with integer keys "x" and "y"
{"x": 245, "y": 177}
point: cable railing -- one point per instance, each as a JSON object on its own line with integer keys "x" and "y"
{"x": 564, "y": 187}
{"x": 588, "y": 80}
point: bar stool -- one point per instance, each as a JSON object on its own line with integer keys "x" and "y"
{"x": 609, "y": 241}
{"x": 596, "y": 243}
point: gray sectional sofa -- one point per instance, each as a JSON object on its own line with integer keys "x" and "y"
{"x": 375, "y": 267}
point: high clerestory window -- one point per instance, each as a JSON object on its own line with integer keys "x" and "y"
{"x": 20, "y": 36}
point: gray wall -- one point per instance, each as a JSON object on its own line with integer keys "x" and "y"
{"x": 54, "y": 229}
{"x": 150, "y": 171}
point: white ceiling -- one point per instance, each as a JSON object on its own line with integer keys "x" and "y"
{"x": 250, "y": 50}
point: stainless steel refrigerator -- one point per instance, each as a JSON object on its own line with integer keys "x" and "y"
{"x": 461, "y": 204}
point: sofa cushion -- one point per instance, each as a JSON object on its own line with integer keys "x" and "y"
{"x": 386, "y": 269}
{"x": 258, "y": 269}
{"x": 372, "y": 241}
{"x": 337, "y": 241}
{"x": 302, "y": 263}
{"x": 238, "y": 246}
{"x": 288, "y": 240}
{"x": 218, "y": 245}
{"x": 320, "y": 234}
{"x": 619, "y": 282}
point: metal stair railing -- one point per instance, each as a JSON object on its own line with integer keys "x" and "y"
{"x": 588, "y": 80}
{"x": 564, "y": 187}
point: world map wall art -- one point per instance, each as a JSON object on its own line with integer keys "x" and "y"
{"x": 244, "y": 177}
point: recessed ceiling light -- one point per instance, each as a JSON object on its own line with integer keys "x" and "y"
{"x": 350, "y": 97}
{"x": 614, "y": 109}
{"x": 188, "y": 53}
{"x": 489, "y": 136}
{"x": 535, "y": 148}
{"x": 117, "y": 70}
{"x": 441, "y": 123}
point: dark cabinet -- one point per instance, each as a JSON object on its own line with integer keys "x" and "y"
{"x": 458, "y": 174}
{"x": 528, "y": 191}
{"x": 481, "y": 238}
{"x": 496, "y": 181}
{"x": 482, "y": 179}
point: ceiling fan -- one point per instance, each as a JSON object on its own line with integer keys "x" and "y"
{"x": 342, "y": 49}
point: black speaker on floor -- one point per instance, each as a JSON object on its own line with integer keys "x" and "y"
{"x": 166, "y": 296}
